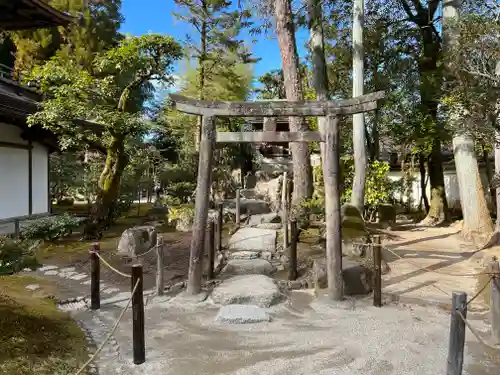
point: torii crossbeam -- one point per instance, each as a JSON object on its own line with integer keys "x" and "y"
{"x": 330, "y": 109}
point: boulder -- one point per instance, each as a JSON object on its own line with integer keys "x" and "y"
{"x": 386, "y": 215}
{"x": 244, "y": 255}
{"x": 157, "y": 212}
{"x": 358, "y": 279}
{"x": 137, "y": 240}
{"x": 353, "y": 224}
{"x": 271, "y": 218}
{"x": 270, "y": 191}
{"x": 253, "y": 239}
{"x": 250, "y": 180}
{"x": 242, "y": 314}
{"x": 258, "y": 290}
{"x": 256, "y": 266}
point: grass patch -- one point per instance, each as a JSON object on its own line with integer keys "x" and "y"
{"x": 37, "y": 338}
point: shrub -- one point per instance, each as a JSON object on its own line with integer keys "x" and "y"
{"x": 51, "y": 228}
{"x": 16, "y": 254}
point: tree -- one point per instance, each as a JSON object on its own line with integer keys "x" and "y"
{"x": 423, "y": 16}
{"x": 285, "y": 30}
{"x": 358, "y": 121}
{"x": 104, "y": 95}
{"x": 95, "y": 30}
{"x": 273, "y": 85}
{"x": 217, "y": 28}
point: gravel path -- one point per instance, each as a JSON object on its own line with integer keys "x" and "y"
{"x": 306, "y": 336}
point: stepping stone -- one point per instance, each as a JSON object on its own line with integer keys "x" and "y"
{"x": 111, "y": 290}
{"x": 244, "y": 255}
{"x": 256, "y": 290}
{"x": 48, "y": 268}
{"x": 32, "y": 287}
{"x": 79, "y": 276}
{"x": 67, "y": 275}
{"x": 255, "y": 220}
{"x": 257, "y": 266}
{"x": 124, "y": 296}
{"x": 275, "y": 226}
{"x": 51, "y": 273}
{"x": 86, "y": 282}
{"x": 68, "y": 269}
{"x": 253, "y": 239}
{"x": 242, "y": 314}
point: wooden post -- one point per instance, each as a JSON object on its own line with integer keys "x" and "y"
{"x": 211, "y": 249}
{"x": 139, "y": 343}
{"x": 457, "y": 334}
{"x": 202, "y": 203}
{"x": 377, "y": 263}
{"x": 494, "y": 268}
{"x": 220, "y": 223}
{"x": 284, "y": 207}
{"x": 331, "y": 174}
{"x": 238, "y": 207}
{"x": 292, "y": 270}
{"x": 95, "y": 278}
{"x": 17, "y": 230}
{"x": 160, "y": 270}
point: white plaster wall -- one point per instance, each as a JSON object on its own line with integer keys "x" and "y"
{"x": 40, "y": 179}
{"x": 13, "y": 182}
{"x": 451, "y": 188}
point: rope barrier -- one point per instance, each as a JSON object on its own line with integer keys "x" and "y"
{"x": 481, "y": 290}
{"x": 476, "y": 334}
{"x": 101, "y": 347}
{"x": 147, "y": 252}
{"x": 110, "y": 266}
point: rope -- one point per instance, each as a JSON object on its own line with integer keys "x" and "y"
{"x": 147, "y": 252}
{"x": 440, "y": 272}
{"x": 110, "y": 266}
{"x": 91, "y": 359}
{"x": 481, "y": 290}
{"x": 476, "y": 334}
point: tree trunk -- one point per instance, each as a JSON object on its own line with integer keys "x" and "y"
{"x": 302, "y": 174}
{"x": 489, "y": 175}
{"x": 201, "y": 74}
{"x": 358, "y": 120}
{"x": 423, "y": 181}
{"x": 475, "y": 211}
{"x": 497, "y": 170}
{"x": 104, "y": 209}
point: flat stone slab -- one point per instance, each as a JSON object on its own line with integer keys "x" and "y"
{"x": 242, "y": 314}
{"x": 47, "y": 268}
{"x": 51, "y": 273}
{"x": 275, "y": 226}
{"x": 257, "y": 266}
{"x": 258, "y": 290}
{"x": 32, "y": 287}
{"x": 253, "y": 239}
{"x": 244, "y": 255}
{"x": 255, "y": 220}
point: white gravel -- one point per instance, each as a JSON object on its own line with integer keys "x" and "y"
{"x": 318, "y": 339}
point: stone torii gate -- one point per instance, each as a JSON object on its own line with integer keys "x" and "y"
{"x": 330, "y": 109}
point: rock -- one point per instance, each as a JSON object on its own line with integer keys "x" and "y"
{"x": 357, "y": 278}
{"x": 248, "y": 193}
{"x": 353, "y": 224}
{"x": 137, "y": 240}
{"x": 254, "y": 206}
{"x": 248, "y": 267}
{"x": 270, "y": 191}
{"x": 386, "y": 215}
{"x": 253, "y": 239}
{"x": 242, "y": 314}
{"x": 267, "y": 255}
{"x": 274, "y": 226}
{"x": 47, "y": 268}
{"x": 256, "y": 290}
{"x": 158, "y": 212}
{"x": 271, "y": 218}
{"x": 32, "y": 287}
{"x": 244, "y": 255}
{"x": 249, "y": 180}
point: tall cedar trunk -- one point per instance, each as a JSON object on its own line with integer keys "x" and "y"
{"x": 375, "y": 145}
{"x": 201, "y": 74}
{"x": 489, "y": 174}
{"x": 475, "y": 211}
{"x": 358, "y": 120}
{"x": 103, "y": 211}
{"x": 429, "y": 90}
{"x": 423, "y": 182}
{"x": 497, "y": 170}
{"x": 302, "y": 174}
{"x": 328, "y": 155}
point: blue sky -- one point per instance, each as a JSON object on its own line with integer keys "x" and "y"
{"x": 143, "y": 16}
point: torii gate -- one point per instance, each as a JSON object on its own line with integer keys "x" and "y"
{"x": 330, "y": 109}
